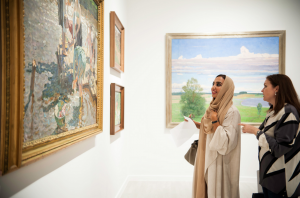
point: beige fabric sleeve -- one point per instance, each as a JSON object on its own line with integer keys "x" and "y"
{"x": 225, "y": 137}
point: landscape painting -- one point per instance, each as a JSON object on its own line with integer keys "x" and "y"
{"x": 196, "y": 62}
{"x": 60, "y": 70}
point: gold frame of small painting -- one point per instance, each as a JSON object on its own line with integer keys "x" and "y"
{"x": 15, "y": 152}
{"x": 116, "y": 110}
{"x": 117, "y": 32}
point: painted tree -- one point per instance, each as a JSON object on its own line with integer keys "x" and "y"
{"x": 259, "y": 106}
{"x": 193, "y": 102}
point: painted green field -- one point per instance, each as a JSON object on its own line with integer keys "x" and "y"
{"x": 248, "y": 114}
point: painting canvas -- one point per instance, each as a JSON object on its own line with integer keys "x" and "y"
{"x": 117, "y": 108}
{"x": 60, "y": 66}
{"x": 195, "y": 61}
{"x": 117, "y": 47}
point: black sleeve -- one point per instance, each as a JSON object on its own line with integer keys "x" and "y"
{"x": 284, "y": 135}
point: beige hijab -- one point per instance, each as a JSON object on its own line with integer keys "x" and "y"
{"x": 220, "y": 104}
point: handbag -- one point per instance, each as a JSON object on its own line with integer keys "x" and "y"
{"x": 191, "y": 154}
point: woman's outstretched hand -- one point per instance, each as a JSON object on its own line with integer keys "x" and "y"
{"x": 190, "y": 116}
{"x": 196, "y": 123}
{"x": 249, "y": 129}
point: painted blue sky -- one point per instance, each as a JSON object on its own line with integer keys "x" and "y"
{"x": 223, "y": 47}
{"x": 246, "y": 60}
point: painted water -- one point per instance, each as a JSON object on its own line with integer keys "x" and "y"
{"x": 253, "y": 102}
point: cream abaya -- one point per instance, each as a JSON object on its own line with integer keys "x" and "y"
{"x": 216, "y": 170}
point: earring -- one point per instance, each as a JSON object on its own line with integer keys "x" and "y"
{"x": 275, "y": 93}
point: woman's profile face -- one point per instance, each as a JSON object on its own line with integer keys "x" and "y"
{"x": 217, "y": 86}
{"x": 269, "y": 92}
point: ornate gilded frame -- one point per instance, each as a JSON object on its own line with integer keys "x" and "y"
{"x": 14, "y": 154}
{"x": 169, "y": 36}
{"x": 113, "y": 89}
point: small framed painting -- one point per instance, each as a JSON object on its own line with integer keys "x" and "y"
{"x": 116, "y": 43}
{"x": 116, "y": 108}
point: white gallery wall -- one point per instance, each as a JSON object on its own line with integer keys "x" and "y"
{"x": 152, "y": 153}
{"x": 101, "y": 165}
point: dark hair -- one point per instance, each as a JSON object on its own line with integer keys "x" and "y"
{"x": 285, "y": 94}
{"x": 222, "y": 75}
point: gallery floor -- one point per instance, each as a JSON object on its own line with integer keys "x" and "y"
{"x": 172, "y": 189}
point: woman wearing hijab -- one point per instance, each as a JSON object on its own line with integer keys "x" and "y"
{"x": 217, "y": 164}
{"x": 278, "y": 139}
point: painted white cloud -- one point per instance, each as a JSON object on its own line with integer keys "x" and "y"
{"x": 245, "y": 59}
{"x": 180, "y": 58}
{"x": 244, "y": 50}
{"x": 246, "y": 54}
{"x": 198, "y": 57}
{"x": 248, "y": 70}
{"x": 178, "y": 85}
{"x": 206, "y": 88}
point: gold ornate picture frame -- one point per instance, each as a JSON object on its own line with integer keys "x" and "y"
{"x": 15, "y": 152}
{"x": 116, "y": 108}
{"x": 193, "y": 60}
{"x": 117, "y": 32}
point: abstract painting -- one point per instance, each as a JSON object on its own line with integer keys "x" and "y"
{"x": 195, "y": 62}
{"x": 60, "y": 66}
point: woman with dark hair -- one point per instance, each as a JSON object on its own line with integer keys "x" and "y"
{"x": 278, "y": 139}
{"x": 217, "y": 164}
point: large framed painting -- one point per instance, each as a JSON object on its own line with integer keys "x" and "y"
{"x": 116, "y": 108}
{"x": 117, "y": 32}
{"x": 194, "y": 60}
{"x": 52, "y": 77}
